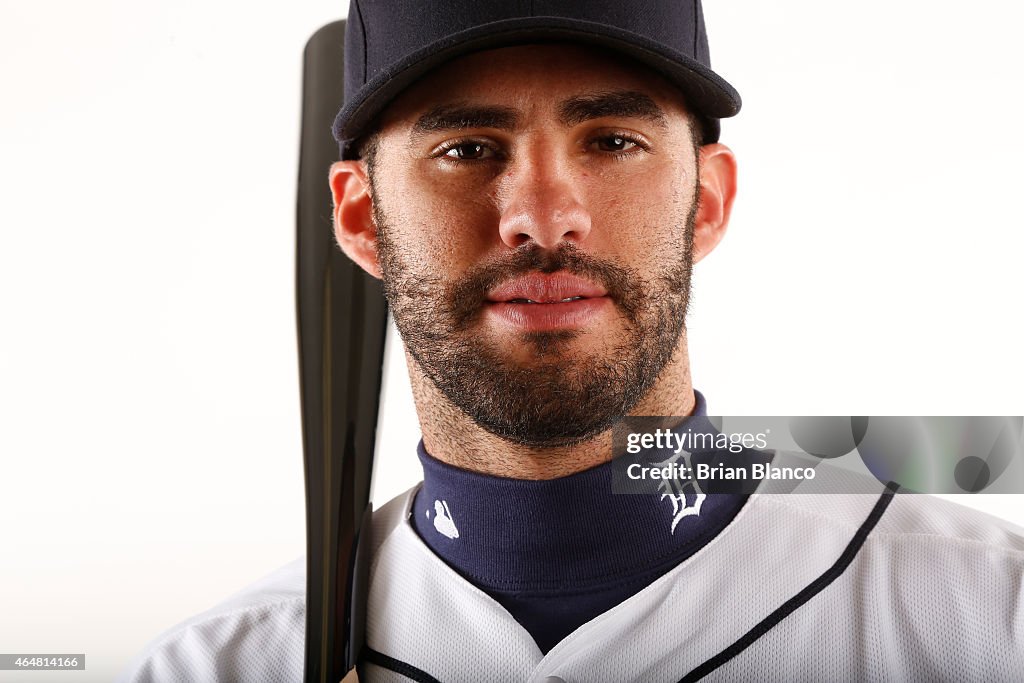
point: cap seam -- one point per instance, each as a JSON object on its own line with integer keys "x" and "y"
{"x": 696, "y": 27}
{"x": 362, "y": 30}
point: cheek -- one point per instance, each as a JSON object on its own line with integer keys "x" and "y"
{"x": 641, "y": 218}
{"x": 442, "y": 226}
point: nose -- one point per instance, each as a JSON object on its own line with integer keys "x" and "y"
{"x": 544, "y": 203}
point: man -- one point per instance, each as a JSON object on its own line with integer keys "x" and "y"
{"x": 533, "y": 182}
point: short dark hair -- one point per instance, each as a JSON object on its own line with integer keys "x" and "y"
{"x": 366, "y": 147}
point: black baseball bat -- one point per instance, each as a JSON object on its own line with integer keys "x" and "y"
{"x": 342, "y": 321}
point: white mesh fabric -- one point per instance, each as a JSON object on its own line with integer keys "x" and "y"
{"x": 256, "y": 635}
{"x": 913, "y": 606}
{"x": 936, "y": 593}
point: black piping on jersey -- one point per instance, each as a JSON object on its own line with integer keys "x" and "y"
{"x": 819, "y": 584}
{"x": 801, "y": 598}
{"x": 392, "y": 664}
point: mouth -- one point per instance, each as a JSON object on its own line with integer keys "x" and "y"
{"x": 560, "y": 301}
{"x": 547, "y": 301}
{"x": 546, "y": 288}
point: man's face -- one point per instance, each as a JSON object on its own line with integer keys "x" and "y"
{"x": 534, "y": 209}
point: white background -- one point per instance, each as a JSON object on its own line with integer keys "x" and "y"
{"x": 149, "y": 410}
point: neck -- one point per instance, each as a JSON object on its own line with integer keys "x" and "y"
{"x": 450, "y": 436}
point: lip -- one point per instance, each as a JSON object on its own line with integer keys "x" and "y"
{"x": 546, "y": 288}
{"x": 537, "y": 302}
{"x": 557, "y": 316}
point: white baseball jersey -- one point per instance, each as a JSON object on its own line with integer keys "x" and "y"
{"x": 798, "y": 587}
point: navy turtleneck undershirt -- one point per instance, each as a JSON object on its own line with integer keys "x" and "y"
{"x": 558, "y": 553}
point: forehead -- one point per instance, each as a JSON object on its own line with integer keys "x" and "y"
{"x": 534, "y": 79}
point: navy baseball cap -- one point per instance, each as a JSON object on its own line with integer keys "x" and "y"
{"x": 391, "y": 43}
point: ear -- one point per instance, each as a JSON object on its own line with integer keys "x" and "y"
{"x": 354, "y": 228}
{"x": 717, "y": 191}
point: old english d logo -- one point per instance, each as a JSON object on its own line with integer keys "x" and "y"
{"x": 680, "y": 508}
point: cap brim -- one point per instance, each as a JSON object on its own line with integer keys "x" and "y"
{"x": 706, "y": 92}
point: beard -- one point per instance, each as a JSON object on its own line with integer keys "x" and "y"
{"x": 560, "y": 397}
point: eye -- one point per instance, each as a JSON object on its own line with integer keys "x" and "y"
{"x": 467, "y": 150}
{"x": 616, "y": 143}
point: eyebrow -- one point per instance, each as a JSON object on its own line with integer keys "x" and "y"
{"x": 459, "y": 117}
{"x": 619, "y": 103}
{"x": 571, "y": 112}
